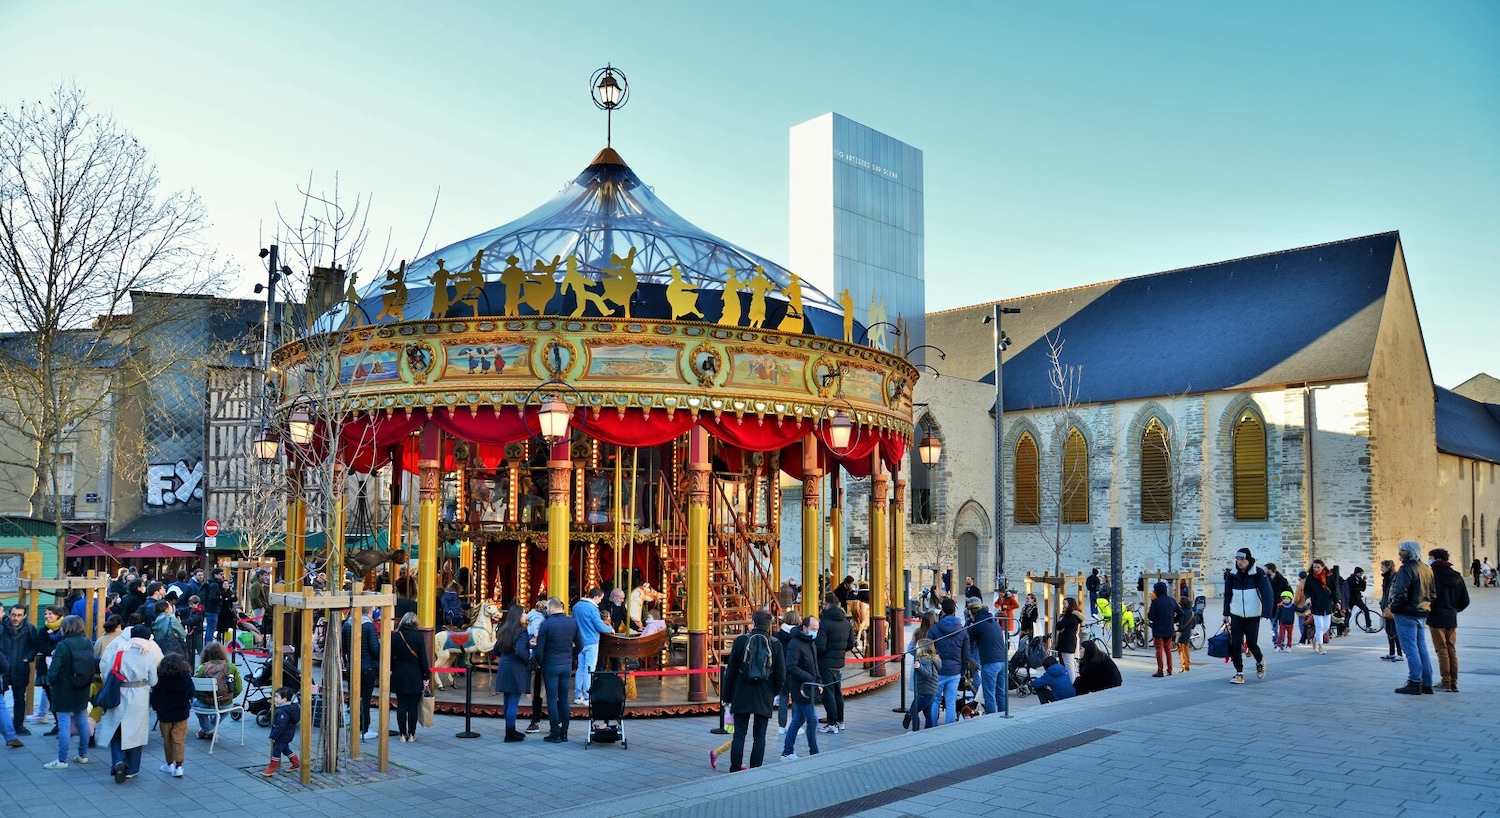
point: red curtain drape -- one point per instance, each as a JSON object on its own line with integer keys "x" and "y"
{"x": 755, "y": 434}
{"x": 635, "y": 427}
{"x": 486, "y": 425}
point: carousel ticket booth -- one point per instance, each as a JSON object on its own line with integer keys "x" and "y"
{"x": 601, "y": 394}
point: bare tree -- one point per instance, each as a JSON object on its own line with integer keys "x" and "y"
{"x": 1062, "y": 482}
{"x": 85, "y": 231}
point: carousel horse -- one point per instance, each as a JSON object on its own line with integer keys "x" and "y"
{"x": 859, "y": 621}
{"x": 477, "y": 638}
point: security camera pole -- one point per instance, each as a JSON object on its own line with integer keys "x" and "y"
{"x": 1001, "y": 342}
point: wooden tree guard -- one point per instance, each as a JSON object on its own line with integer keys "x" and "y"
{"x": 305, "y": 603}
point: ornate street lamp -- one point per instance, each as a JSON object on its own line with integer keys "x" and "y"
{"x": 610, "y": 91}
{"x": 839, "y": 431}
{"x": 300, "y": 427}
{"x": 553, "y": 419}
{"x": 930, "y": 450}
{"x": 266, "y": 446}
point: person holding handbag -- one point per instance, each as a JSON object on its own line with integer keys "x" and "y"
{"x": 410, "y": 675}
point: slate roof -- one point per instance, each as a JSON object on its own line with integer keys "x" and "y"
{"x": 1467, "y": 427}
{"x": 185, "y": 525}
{"x": 1305, "y": 315}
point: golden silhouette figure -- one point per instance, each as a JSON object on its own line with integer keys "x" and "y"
{"x": 877, "y": 316}
{"x": 351, "y": 295}
{"x": 540, "y": 288}
{"x": 513, "y": 279}
{"x": 620, "y": 283}
{"x": 440, "y": 297}
{"x": 393, "y": 303}
{"x": 759, "y": 286}
{"x": 793, "y": 320}
{"x": 682, "y": 298}
{"x": 469, "y": 285}
{"x": 847, "y": 302}
{"x": 579, "y": 285}
{"x": 730, "y": 316}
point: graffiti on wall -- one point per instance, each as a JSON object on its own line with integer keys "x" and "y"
{"x": 170, "y": 484}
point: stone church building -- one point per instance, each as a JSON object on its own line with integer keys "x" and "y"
{"x": 1281, "y": 402}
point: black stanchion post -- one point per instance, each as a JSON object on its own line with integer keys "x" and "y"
{"x": 902, "y": 707}
{"x": 468, "y": 700}
{"x": 720, "y": 731}
{"x": 1116, "y": 577}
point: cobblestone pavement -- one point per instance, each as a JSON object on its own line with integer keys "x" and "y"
{"x": 1320, "y": 735}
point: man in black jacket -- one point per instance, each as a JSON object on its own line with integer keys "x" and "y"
{"x": 18, "y": 641}
{"x": 211, "y": 593}
{"x": 1450, "y": 597}
{"x": 803, "y": 681}
{"x": 751, "y": 700}
{"x": 1411, "y": 598}
{"x": 835, "y": 638}
{"x": 989, "y": 648}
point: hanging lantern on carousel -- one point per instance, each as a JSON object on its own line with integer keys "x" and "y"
{"x": 553, "y": 419}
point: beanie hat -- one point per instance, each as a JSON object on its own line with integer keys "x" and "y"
{"x": 1244, "y": 552}
{"x": 1286, "y": 595}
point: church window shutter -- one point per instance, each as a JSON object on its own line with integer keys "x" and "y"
{"x": 1251, "y": 495}
{"x": 1075, "y": 479}
{"x": 1025, "y": 495}
{"x": 1156, "y": 474}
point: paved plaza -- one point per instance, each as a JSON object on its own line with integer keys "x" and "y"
{"x": 1321, "y": 735}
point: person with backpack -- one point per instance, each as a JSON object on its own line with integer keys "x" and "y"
{"x": 754, "y": 674}
{"x": 168, "y": 630}
{"x": 1450, "y": 597}
{"x": 802, "y": 680}
{"x": 68, "y": 676}
{"x": 216, "y": 665}
{"x": 835, "y": 639}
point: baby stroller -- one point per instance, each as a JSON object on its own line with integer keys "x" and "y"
{"x": 260, "y": 685}
{"x": 1030, "y": 651}
{"x": 606, "y": 709}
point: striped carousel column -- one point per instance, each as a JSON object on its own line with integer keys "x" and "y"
{"x": 699, "y": 474}
{"x": 879, "y": 547}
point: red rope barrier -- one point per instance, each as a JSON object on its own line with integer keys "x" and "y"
{"x": 683, "y": 672}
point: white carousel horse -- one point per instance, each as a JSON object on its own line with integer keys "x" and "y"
{"x": 477, "y": 638}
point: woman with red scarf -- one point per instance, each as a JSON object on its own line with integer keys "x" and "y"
{"x": 1320, "y": 593}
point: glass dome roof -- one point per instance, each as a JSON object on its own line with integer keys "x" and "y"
{"x": 606, "y": 211}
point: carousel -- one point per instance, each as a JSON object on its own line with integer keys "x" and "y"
{"x": 601, "y": 394}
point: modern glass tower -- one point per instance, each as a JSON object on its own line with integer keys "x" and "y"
{"x": 856, "y": 222}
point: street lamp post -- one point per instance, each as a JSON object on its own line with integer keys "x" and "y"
{"x": 1001, "y": 342}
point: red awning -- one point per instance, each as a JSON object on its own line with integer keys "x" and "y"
{"x": 93, "y": 550}
{"x": 157, "y": 551}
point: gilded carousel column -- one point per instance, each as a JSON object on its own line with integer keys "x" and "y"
{"x": 559, "y": 492}
{"x": 296, "y": 529}
{"x": 430, "y": 474}
{"x": 812, "y": 523}
{"x": 898, "y": 565}
{"x": 699, "y": 473}
{"x": 835, "y": 524}
{"x": 879, "y": 500}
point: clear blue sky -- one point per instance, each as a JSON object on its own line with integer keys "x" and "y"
{"x": 1064, "y": 143}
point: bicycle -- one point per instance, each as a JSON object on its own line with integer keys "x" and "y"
{"x": 1135, "y": 636}
{"x": 1369, "y": 621}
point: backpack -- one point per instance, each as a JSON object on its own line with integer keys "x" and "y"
{"x": 167, "y": 637}
{"x": 757, "y": 667}
{"x": 218, "y": 672}
{"x": 84, "y": 669}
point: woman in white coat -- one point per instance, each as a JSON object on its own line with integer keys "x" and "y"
{"x": 129, "y": 725}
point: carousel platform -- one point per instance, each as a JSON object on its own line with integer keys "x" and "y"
{"x": 656, "y": 696}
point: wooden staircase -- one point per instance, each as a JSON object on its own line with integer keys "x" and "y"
{"x": 738, "y": 578}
